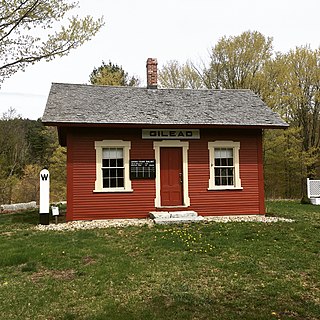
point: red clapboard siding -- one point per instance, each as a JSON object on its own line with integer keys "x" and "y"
{"x": 229, "y": 202}
{"x": 84, "y": 204}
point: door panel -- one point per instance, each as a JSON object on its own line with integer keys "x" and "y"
{"x": 171, "y": 176}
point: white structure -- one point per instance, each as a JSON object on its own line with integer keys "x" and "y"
{"x": 313, "y": 190}
{"x": 44, "y": 191}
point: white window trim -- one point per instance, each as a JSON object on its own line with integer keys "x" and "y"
{"x": 99, "y": 145}
{"x": 225, "y": 144}
{"x": 174, "y": 144}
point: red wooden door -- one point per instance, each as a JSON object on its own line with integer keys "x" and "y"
{"x": 171, "y": 176}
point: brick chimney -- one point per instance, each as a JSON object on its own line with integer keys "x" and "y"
{"x": 152, "y": 73}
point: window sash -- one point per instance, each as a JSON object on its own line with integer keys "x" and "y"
{"x": 224, "y": 176}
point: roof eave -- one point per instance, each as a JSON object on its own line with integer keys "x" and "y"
{"x": 164, "y": 125}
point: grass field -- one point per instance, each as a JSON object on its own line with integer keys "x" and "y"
{"x": 203, "y": 271}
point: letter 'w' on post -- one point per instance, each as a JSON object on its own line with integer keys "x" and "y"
{"x": 44, "y": 177}
{"x": 44, "y": 207}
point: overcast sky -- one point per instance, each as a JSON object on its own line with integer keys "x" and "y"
{"x": 167, "y": 30}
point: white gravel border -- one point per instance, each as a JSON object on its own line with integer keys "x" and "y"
{"x": 95, "y": 224}
{"x": 246, "y": 218}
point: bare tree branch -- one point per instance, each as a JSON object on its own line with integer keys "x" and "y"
{"x": 19, "y": 48}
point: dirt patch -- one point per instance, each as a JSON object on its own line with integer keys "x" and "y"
{"x": 88, "y": 260}
{"x": 68, "y": 274}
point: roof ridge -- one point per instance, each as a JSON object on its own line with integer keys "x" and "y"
{"x": 145, "y": 88}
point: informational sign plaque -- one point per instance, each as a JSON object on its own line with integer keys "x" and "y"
{"x": 55, "y": 210}
{"x": 142, "y": 169}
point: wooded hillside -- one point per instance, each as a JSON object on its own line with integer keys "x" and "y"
{"x": 26, "y": 147}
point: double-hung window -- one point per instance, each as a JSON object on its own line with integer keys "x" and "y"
{"x": 224, "y": 165}
{"x": 112, "y": 166}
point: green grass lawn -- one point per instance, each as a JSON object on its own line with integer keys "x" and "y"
{"x": 202, "y": 271}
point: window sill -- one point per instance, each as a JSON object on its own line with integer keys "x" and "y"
{"x": 172, "y": 207}
{"x": 224, "y": 188}
{"x": 112, "y": 190}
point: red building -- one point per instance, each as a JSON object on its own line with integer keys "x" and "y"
{"x": 135, "y": 150}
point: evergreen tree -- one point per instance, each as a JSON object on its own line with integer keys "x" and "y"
{"x": 112, "y": 75}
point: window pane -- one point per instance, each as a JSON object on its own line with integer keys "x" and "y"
{"x": 106, "y": 183}
{"x": 105, "y": 162}
{"x": 120, "y": 173}
{"x": 113, "y": 173}
{"x": 113, "y": 183}
{"x": 230, "y": 162}
{"x": 120, "y": 182}
{"x": 223, "y": 153}
{"x": 229, "y": 153}
{"x": 119, "y": 153}
{"x": 113, "y": 163}
{"x": 217, "y": 153}
{"x": 119, "y": 162}
{"x": 112, "y": 153}
{"x": 106, "y": 153}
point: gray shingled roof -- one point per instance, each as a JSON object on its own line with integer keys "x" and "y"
{"x": 84, "y": 104}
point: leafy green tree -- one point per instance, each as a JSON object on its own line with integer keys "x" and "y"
{"x": 234, "y": 63}
{"x": 23, "y": 24}
{"x": 174, "y": 75}
{"x": 112, "y": 75}
{"x": 237, "y": 62}
{"x": 294, "y": 91}
{"x": 286, "y": 163}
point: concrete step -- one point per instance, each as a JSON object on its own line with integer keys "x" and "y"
{"x": 177, "y": 220}
{"x": 183, "y": 214}
{"x": 172, "y": 214}
{"x": 159, "y": 215}
{"x": 167, "y": 217}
